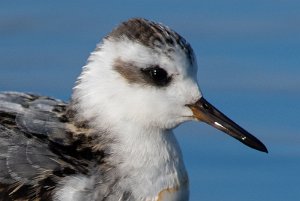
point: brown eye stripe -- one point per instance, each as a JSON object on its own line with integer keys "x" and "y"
{"x": 129, "y": 71}
{"x": 134, "y": 74}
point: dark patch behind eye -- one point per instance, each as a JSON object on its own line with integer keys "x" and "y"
{"x": 128, "y": 71}
{"x": 135, "y": 75}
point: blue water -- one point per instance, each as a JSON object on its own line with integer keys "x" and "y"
{"x": 248, "y": 54}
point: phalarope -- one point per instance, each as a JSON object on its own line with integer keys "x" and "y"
{"x": 113, "y": 140}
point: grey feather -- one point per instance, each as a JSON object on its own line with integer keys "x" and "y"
{"x": 42, "y": 144}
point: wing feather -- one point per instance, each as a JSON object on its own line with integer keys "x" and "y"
{"x": 34, "y": 146}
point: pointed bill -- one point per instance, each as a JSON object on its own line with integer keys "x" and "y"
{"x": 204, "y": 111}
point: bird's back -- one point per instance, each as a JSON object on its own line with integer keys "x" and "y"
{"x": 39, "y": 146}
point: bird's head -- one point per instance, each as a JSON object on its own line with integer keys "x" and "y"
{"x": 146, "y": 74}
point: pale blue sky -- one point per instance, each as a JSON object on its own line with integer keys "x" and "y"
{"x": 248, "y": 55}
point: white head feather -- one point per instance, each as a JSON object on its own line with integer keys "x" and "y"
{"x": 104, "y": 94}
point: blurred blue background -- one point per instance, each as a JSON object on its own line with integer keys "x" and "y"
{"x": 248, "y": 55}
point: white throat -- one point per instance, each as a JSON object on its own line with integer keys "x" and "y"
{"x": 153, "y": 162}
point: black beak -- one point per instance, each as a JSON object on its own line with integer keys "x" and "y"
{"x": 204, "y": 111}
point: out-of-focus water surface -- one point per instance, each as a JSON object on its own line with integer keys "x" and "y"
{"x": 248, "y": 55}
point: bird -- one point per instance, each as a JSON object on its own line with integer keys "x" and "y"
{"x": 113, "y": 140}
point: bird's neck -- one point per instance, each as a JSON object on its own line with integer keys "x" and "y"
{"x": 151, "y": 161}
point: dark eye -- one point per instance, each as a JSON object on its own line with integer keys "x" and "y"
{"x": 157, "y": 75}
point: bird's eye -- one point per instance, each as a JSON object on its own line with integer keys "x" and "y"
{"x": 157, "y": 75}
